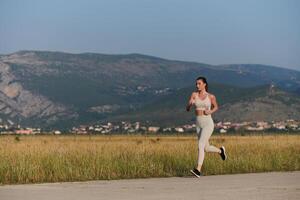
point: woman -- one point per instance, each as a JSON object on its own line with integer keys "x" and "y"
{"x": 205, "y": 105}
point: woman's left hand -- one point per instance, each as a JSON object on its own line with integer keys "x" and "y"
{"x": 207, "y": 112}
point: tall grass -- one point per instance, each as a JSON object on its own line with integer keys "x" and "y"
{"x": 34, "y": 159}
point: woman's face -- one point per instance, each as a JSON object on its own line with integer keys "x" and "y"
{"x": 200, "y": 85}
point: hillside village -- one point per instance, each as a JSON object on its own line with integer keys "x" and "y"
{"x": 290, "y": 125}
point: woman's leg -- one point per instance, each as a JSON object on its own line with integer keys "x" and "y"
{"x": 204, "y": 136}
{"x": 211, "y": 148}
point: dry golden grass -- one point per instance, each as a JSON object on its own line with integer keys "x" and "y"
{"x": 32, "y": 159}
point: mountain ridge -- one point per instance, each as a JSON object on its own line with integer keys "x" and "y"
{"x": 154, "y": 57}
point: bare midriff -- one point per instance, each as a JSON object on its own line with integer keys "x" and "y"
{"x": 199, "y": 112}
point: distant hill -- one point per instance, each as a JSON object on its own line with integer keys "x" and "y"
{"x": 55, "y": 89}
{"x": 267, "y": 104}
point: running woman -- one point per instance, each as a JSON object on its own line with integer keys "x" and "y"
{"x": 205, "y": 105}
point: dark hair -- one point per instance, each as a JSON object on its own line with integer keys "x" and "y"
{"x": 203, "y": 79}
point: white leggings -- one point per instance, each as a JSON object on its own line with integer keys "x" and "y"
{"x": 205, "y": 128}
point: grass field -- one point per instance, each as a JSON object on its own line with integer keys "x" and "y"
{"x": 33, "y": 159}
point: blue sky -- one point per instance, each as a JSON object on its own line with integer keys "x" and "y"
{"x": 211, "y": 31}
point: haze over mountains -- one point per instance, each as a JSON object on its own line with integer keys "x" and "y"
{"x": 55, "y": 89}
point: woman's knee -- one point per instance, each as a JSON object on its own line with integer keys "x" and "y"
{"x": 206, "y": 148}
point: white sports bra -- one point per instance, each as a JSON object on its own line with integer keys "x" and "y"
{"x": 204, "y": 104}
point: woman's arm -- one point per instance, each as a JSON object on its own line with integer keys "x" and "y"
{"x": 190, "y": 103}
{"x": 214, "y": 104}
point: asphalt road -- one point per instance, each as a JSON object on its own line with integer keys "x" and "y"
{"x": 273, "y": 186}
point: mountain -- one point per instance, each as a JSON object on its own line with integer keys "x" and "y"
{"x": 266, "y": 104}
{"x": 55, "y": 89}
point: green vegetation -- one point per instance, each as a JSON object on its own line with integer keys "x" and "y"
{"x": 34, "y": 159}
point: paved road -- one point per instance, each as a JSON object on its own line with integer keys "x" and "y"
{"x": 273, "y": 186}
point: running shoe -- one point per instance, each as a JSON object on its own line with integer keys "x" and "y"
{"x": 223, "y": 153}
{"x": 196, "y": 172}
